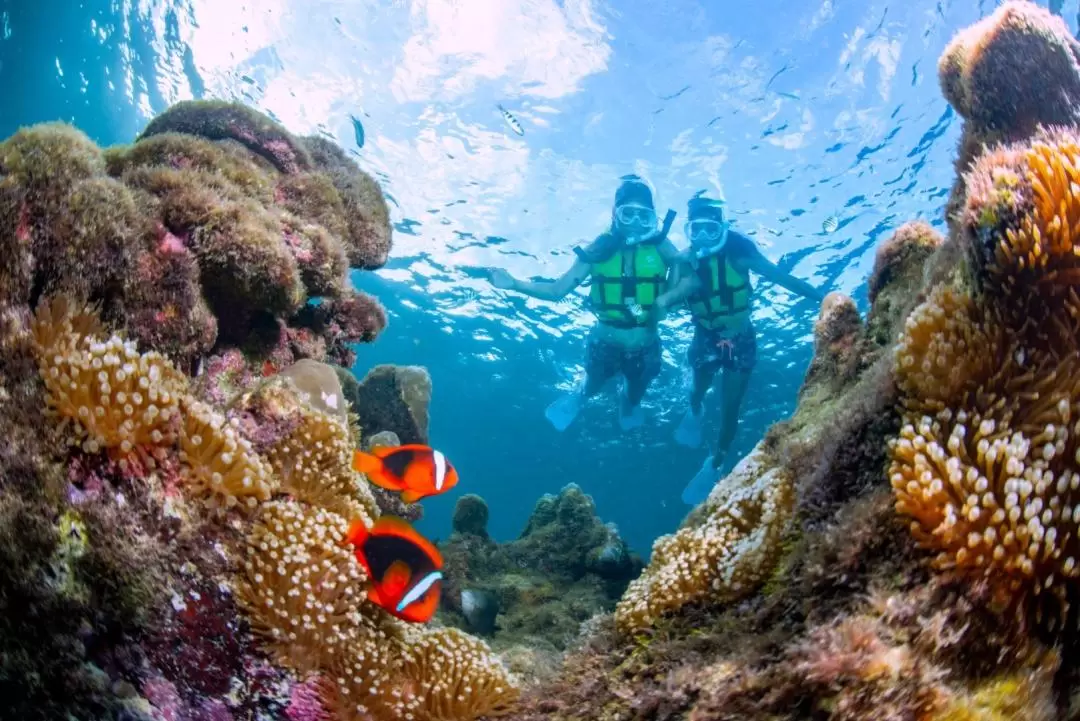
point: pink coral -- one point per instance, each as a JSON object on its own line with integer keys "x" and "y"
{"x": 305, "y": 703}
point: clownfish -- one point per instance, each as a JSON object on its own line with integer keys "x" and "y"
{"x": 414, "y": 470}
{"x": 404, "y": 568}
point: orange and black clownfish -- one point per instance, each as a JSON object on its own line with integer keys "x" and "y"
{"x": 404, "y": 567}
{"x": 414, "y": 470}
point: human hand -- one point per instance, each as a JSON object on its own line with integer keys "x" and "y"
{"x": 501, "y": 279}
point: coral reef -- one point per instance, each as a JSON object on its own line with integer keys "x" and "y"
{"x": 725, "y": 556}
{"x": 900, "y": 264}
{"x": 471, "y": 516}
{"x": 185, "y": 240}
{"x": 173, "y": 510}
{"x": 566, "y": 566}
{"x": 1013, "y": 71}
{"x": 927, "y": 569}
{"x": 987, "y": 465}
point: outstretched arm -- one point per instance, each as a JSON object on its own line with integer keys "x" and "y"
{"x": 543, "y": 289}
{"x": 683, "y": 283}
{"x": 767, "y": 270}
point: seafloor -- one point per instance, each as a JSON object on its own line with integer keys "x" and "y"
{"x": 176, "y": 322}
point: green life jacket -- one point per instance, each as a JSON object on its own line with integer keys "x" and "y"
{"x": 724, "y": 297}
{"x": 633, "y": 275}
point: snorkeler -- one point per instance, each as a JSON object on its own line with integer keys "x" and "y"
{"x": 714, "y": 280}
{"x": 628, "y": 265}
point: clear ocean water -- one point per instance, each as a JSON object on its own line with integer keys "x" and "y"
{"x": 795, "y": 111}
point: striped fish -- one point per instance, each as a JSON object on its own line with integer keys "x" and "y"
{"x": 830, "y": 224}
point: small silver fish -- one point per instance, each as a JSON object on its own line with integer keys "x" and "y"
{"x": 830, "y": 224}
{"x": 511, "y": 120}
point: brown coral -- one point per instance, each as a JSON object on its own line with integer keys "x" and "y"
{"x": 190, "y": 238}
{"x": 113, "y": 397}
{"x": 219, "y": 463}
{"x": 1019, "y": 223}
{"x": 724, "y": 557}
{"x": 987, "y": 464}
{"x": 456, "y": 677}
{"x": 905, "y": 251}
{"x": 1008, "y": 74}
{"x": 995, "y": 73}
{"x": 302, "y": 587}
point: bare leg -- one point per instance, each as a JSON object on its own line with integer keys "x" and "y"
{"x": 733, "y": 388}
{"x": 703, "y": 378}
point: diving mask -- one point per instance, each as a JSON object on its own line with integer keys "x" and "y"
{"x": 633, "y": 214}
{"x": 707, "y": 236}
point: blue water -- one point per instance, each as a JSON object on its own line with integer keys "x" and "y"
{"x": 796, "y": 111}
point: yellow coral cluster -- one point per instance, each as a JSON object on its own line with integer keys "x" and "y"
{"x": 724, "y": 558}
{"x": 987, "y": 463}
{"x": 301, "y": 585}
{"x": 1035, "y": 266}
{"x": 303, "y": 588}
{"x": 314, "y": 463}
{"x": 219, "y": 463}
{"x": 113, "y": 398}
{"x": 455, "y": 676}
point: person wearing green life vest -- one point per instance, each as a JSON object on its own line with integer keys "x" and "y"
{"x": 628, "y": 265}
{"x": 714, "y": 282}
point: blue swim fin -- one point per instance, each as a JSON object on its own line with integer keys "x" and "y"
{"x": 563, "y": 410}
{"x": 689, "y": 431}
{"x": 633, "y": 419}
{"x": 699, "y": 487}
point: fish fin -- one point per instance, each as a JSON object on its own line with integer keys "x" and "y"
{"x": 377, "y": 598}
{"x": 366, "y": 463}
{"x": 412, "y": 495}
{"x": 375, "y": 470}
{"x": 394, "y": 526}
{"x": 414, "y": 448}
{"x": 395, "y": 581}
{"x": 421, "y": 611}
{"x": 358, "y": 533}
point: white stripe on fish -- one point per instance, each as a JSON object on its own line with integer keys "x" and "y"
{"x": 417, "y": 592}
{"x": 440, "y": 469}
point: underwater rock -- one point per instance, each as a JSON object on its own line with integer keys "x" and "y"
{"x": 218, "y": 120}
{"x": 182, "y": 239}
{"x": 613, "y": 561}
{"x": 471, "y": 516}
{"x": 394, "y": 398}
{"x": 899, "y": 273}
{"x": 566, "y": 566}
{"x": 366, "y": 214}
{"x": 837, "y": 336}
{"x": 560, "y": 534}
